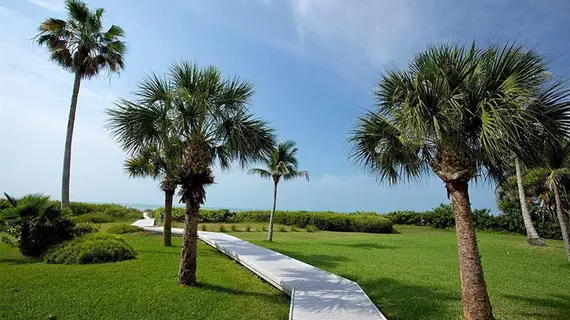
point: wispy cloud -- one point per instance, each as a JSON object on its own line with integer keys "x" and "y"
{"x": 51, "y": 5}
{"x": 369, "y": 30}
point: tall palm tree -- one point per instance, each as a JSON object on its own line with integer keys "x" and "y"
{"x": 558, "y": 162}
{"x": 532, "y": 236}
{"x": 458, "y": 111}
{"x": 160, "y": 164}
{"x": 81, "y": 46}
{"x": 209, "y": 114}
{"x": 281, "y": 163}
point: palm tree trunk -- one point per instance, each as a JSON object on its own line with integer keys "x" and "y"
{"x": 532, "y": 236}
{"x": 167, "y": 233}
{"x": 187, "y": 271}
{"x": 68, "y": 138}
{"x": 474, "y": 297}
{"x": 562, "y": 220}
{"x": 270, "y": 232}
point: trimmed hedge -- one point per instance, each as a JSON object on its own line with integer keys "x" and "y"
{"x": 328, "y": 221}
{"x": 94, "y": 248}
{"x": 442, "y": 218}
{"x": 94, "y": 217}
{"x": 124, "y": 228}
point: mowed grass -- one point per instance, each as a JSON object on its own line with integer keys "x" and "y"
{"x": 415, "y": 274}
{"x": 145, "y": 288}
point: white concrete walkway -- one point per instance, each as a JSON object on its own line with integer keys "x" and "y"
{"x": 315, "y": 293}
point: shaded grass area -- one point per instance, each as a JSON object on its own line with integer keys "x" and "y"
{"x": 414, "y": 274}
{"x": 144, "y": 288}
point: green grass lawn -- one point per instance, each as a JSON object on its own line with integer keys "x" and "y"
{"x": 145, "y": 288}
{"x": 415, "y": 275}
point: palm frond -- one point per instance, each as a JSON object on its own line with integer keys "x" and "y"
{"x": 260, "y": 172}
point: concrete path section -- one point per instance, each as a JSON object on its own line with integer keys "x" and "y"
{"x": 315, "y": 293}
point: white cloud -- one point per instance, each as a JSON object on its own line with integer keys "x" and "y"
{"x": 371, "y": 30}
{"x": 51, "y": 5}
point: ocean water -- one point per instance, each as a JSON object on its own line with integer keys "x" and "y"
{"x": 141, "y": 206}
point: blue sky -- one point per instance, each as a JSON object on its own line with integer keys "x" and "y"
{"x": 313, "y": 64}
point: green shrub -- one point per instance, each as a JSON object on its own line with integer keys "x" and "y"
{"x": 110, "y": 209}
{"x": 36, "y": 223}
{"x": 124, "y": 228}
{"x": 311, "y": 228}
{"x": 86, "y": 228}
{"x": 177, "y": 214}
{"x": 222, "y": 228}
{"x": 282, "y": 229}
{"x": 248, "y": 228}
{"x": 509, "y": 221}
{"x": 94, "y": 248}
{"x": 234, "y": 228}
{"x": 95, "y": 217}
{"x": 295, "y": 229}
{"x": 203, "y": 227}
{"x": 122, "y": 212}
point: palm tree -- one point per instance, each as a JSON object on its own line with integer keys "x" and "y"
{"x": 458, "y": 111}
{"x": 558, "y": 162}
{"x": 209, "y": 115}
{"x": 81, "y": 46}
{"x": 281, "y": 163}
{"x": 532, "y": 236}
{"x": 161, "y": 164}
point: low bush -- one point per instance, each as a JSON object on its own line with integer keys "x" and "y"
{"x": 95, "y": 217}
{"x": 94, "y": 248}
{"x": 35, "y": 223}
{"x": 329, "y": 221}
{"x": 234, "y": 228}
{"x": 311, "y": 228}
{"x": 124, "y": 228}
{"x": 84, "y": 228}
{"x": 509, "y": 222}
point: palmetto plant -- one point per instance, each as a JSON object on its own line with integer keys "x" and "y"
{"x": 209, "y": 115}
{"x": 461, "y": 112}
{"x": 37, "y": 223}
{"x": 557, "y": 160}
{"x": 160, "y": 163}
{"x": 281, "y": 163}
{"x": 82, "y": 46}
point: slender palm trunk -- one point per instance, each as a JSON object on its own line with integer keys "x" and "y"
{"x": 187, "y": 271}
{"x": 532, "y": 236}
{"x": 562, "y": 219}
{"x": 474, "y": 297}
{"x": 68, "y": 139}
{"x": 167, "y": 233}
{"x": 270, "y": 232}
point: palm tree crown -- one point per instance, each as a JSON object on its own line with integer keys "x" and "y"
{"x": 80, "y": 44}
{"x": 282, "y": 162}
{"x": 161, "y": 164}
{"x": 196, "y": 106}
{"x": 460, "y": 111}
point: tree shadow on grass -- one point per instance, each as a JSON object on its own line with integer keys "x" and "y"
{"x": 274, "y": 298}
{"x": 366, "y": 245}
{"x": 555, "y": 308}
{"x": 22, "y": 261}
{"x": 404, "y": 301}
{"x": 320, "y": 260}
